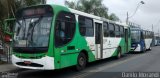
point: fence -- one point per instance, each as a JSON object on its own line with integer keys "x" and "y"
{"x": 5, "y": 47}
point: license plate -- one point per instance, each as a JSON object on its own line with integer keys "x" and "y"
{"x": 27, "y": 62}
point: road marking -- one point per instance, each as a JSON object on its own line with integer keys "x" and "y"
{"x": 84, "y": 73}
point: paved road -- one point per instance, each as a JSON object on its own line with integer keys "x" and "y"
{"x": 108, "y": 68}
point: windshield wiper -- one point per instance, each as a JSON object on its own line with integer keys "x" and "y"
{"x": 21, "y": 26}
{"x": 32, "y": 26}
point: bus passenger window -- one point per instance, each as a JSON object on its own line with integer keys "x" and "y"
{"x": 64, "y": 28}
{"x": 111, "y": 30}
{"x": 86, "y": 26}
{"x": 117, "y": 31}
{"x": 122, "y": 31}
{"x": 105, "y": 27}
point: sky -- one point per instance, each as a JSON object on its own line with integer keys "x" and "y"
{"x": 146, "y": 16}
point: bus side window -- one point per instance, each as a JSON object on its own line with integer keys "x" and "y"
{"x": 105, "y": 27}
{"x": 64, "y": 28}
{"x": 86, "y": 27}
{"x": 111, "y": 30}
{"x": 122, "y": 31}
{"x": 117, "y": 31}
{"x": 147, "y": 34}
{"x": 142, "y": 37}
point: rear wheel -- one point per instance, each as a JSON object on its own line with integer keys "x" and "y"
{"x": 81, "y": 62}
{"x": 150, "y": 49}
{"x": 119, "y": 53}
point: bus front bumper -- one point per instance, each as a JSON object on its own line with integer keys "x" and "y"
{"x": 136, "y": 49}
{"x": 45, "y": 63}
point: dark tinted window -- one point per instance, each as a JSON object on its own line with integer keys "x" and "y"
{"x": 98, "y": 35}
{"x": 148, "y": 33}
{"x": 117, "y": 30}
{"x": 129, "y": 32}
{"x": 105, "y": 27}
{"x": 144, "y": 34}
{"x": 121, "y": 31}
{"x": 86, "y": 26}
{"x": 65, "y": 28}
{"x": 111, "y": 30}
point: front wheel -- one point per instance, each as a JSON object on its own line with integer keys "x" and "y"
{"x": 144, "y": 49}
{"x": 81, "y": 62}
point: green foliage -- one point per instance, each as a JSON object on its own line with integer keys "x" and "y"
{"x": 89, "y": 6}
{"x": 31, "y": 2}
{"x": 92, "y": 7}
{"x": 114, "y": 17}
{"x": 8, "y": 9}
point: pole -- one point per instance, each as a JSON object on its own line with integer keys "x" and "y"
{"x": 152, "y": 27}
{"x": 158, "y": 33}
{"x": 152, "y": 36}
{"x": 127, "y": 19}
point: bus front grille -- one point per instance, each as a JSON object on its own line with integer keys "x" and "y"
{"x": 31, "y": 65}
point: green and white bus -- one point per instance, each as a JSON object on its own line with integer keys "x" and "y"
{"x": 52, "y": 37}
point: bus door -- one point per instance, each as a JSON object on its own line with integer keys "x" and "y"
{"x": 126, "y": 39}
{"x": 98, "y": 40}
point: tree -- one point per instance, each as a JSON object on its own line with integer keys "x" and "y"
{"x": 114, "y": 17}
{"x": 92, "y": 7}
{"x": 32, "y": 2}
{"x": 89, "y": 6}
{"x": 8, "y": 9}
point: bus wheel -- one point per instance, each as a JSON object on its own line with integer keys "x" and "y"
{"x": 144, "y": 49}
{"x": 81, "y": 62}
{"x": 150, "y": 49}
{"x": 119, "y": 53}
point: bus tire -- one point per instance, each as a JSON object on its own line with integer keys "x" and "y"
{"x": 119, "y": 53}
{"x": 150, "y": 49}
{"x": 144, "y": 49}
{"x": 81, "y": 62}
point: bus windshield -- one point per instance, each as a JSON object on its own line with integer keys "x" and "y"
{"x": 135, "y": 36}
{"x": 32, "y": 32}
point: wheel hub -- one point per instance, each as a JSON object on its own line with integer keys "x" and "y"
{"x": 81, "y": 61}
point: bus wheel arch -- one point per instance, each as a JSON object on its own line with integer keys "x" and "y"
{"x": 86, "y": 54}
{"x": 82, "y": 60}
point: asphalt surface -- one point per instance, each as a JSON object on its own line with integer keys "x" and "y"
{"x": 129, "y": 66}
